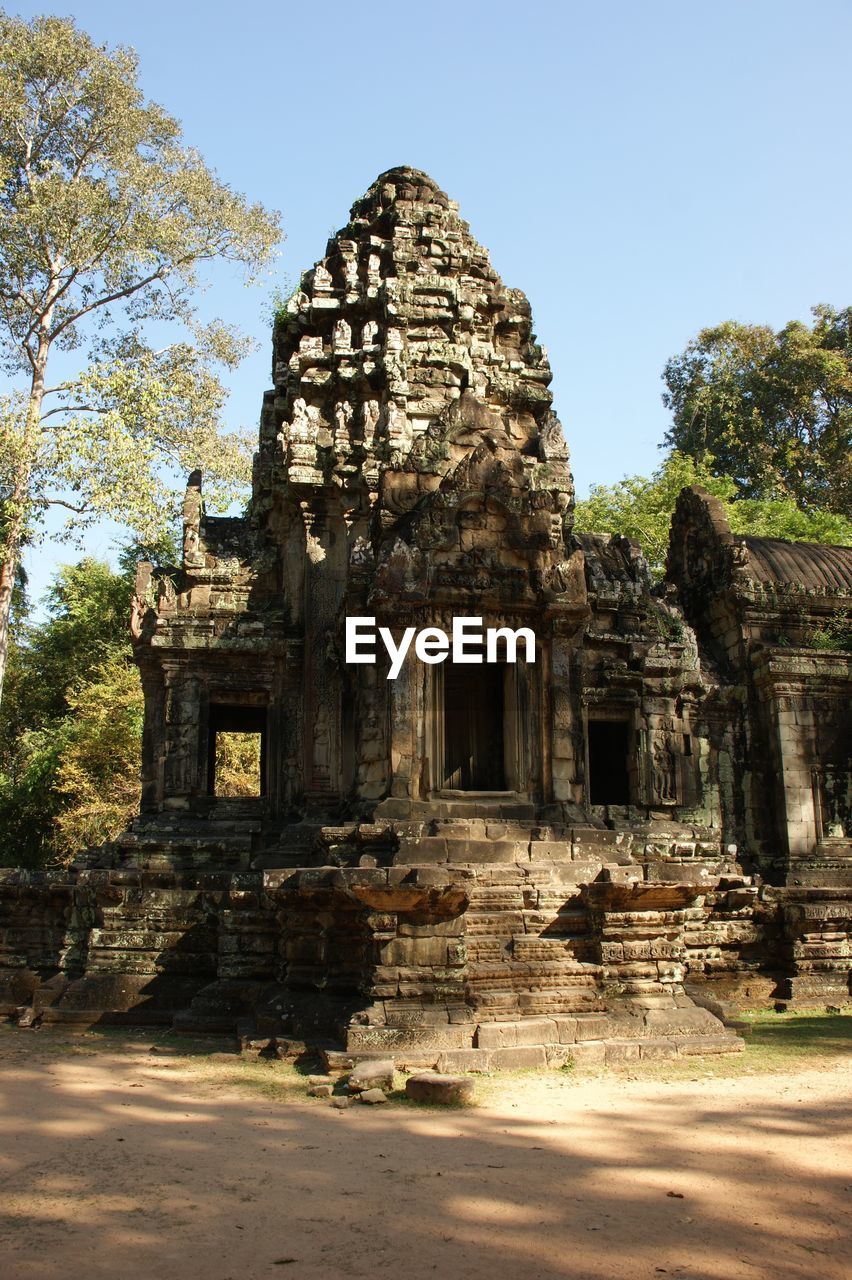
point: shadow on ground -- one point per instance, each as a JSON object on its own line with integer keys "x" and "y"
{"x": 133, "y": 1166}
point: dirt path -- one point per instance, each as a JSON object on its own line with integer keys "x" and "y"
{"x": 122, "y": 1165}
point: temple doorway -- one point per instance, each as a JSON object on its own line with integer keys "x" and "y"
{"x": 473, "y": 727}
{"x": 609, "y": 778}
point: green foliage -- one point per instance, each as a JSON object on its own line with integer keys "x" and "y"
{"x": 87, "y": 606}
{"x": 107, "y": 220}
{"x": 28, "y": 801}
{"x": 237, "y": 764}
{"x": 71, "y": 721}
{"x": 773, "y": 409}
{"x": 97, "y": 773}
{"x": 641, "y": 507}
{"x": 835, "y": 633}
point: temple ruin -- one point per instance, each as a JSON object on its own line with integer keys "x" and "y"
{"x": 597, "y": 853}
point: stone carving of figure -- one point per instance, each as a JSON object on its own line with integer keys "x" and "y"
{"x": 393, "y": 340}
{"x": 292, "y": 780}
{"x": 350, "y": 274}
{"x": 371, "y": 413}
{"x": 665, "y": 786}
{"x": 373, "y": 268}
{"x": 361, "y": 554}
{"x": 322, "y": 279}
{"x": 566, "y": 577}
{"x": 739, "y": 554}
{"x": 300, "y": 428}
{"x": 397, "y": 423}
{"x": 322, "y": 742}
{"x": 193, "y": 507}
{"x": 552, "y": 444}
{"x": 191, "y": 540}
{"x": 342, "y": 419}
{"x": 137, "y": 613}
{"x": 368, "y": 334}
{"x": 342, "y": 336}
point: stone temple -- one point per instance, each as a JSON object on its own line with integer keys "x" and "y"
{"x": 596, "y": 850}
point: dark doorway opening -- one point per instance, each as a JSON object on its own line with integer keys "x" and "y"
{"x": 473, "y": 727}
{"x": 236, "y": 760}
{"x": 609, "y": 777}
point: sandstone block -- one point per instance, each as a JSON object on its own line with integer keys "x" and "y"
{"x": 657, "y": 1049}
{"x": 371, "y": 1075}
{"x": 438, "y": 1089}
{"x": 528, "y": 1058}
{"x": 617, "y": 1051}
{"x": 591, "y": 1026}
{"x": 688, "y": 1046}
{"x": 527, "y": 1031}
{"x": 454, "y": 1061}
{"x": 590, "y": 1053}
{"x": 373, "y": 1097}
{"x": 566, "y": 1029}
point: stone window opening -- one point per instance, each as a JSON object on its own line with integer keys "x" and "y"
{"x": 609, "y": 762}
{"x": 237, "y": 752}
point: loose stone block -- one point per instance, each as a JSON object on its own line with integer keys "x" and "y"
{"x": 371, "y": 1075}
{"x": 372, "y": 1097}
{"x": 441, "y": 1090}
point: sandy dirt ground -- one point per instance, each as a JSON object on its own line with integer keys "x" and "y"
{"x": 122, "y": 1164}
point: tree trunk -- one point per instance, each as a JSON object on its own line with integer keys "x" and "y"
{"x": 7, "y": 586}
{"x": 20, "y": 502}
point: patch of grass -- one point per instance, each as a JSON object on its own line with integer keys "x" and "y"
{"x": 798, "y": 1034}
{"x": 265, "y": 1078}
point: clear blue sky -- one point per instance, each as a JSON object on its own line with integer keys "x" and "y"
{"x": 641, "y": 170}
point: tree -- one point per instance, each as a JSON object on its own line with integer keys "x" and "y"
{"x": 70, "y": 724}
{"x": 97, "y": 770}
{"x": 71, "y": 720}
{"x": 641, "y": 507}
{"x": 106, "y": 220}
{"x": 773, "y": 409}
{"x": 87, "y": 606}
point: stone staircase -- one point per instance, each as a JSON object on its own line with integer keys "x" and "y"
{"x": 202, "y": 844}
{"x": 527, "y": 945}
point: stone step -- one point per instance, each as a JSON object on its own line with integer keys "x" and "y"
{"x": 184, "y": 840}
{"x": 517, "y": 1005}
{"x": 535, "y": 948}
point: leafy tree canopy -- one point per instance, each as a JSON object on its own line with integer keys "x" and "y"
{"x": 64, "y": 674}
{"x": 87, "y": 607}
{"x": 71, "y": 721}
{"x": 107, "y": 221}
{"x": 774, "y": 410}
{"x": 641, "y": 507}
